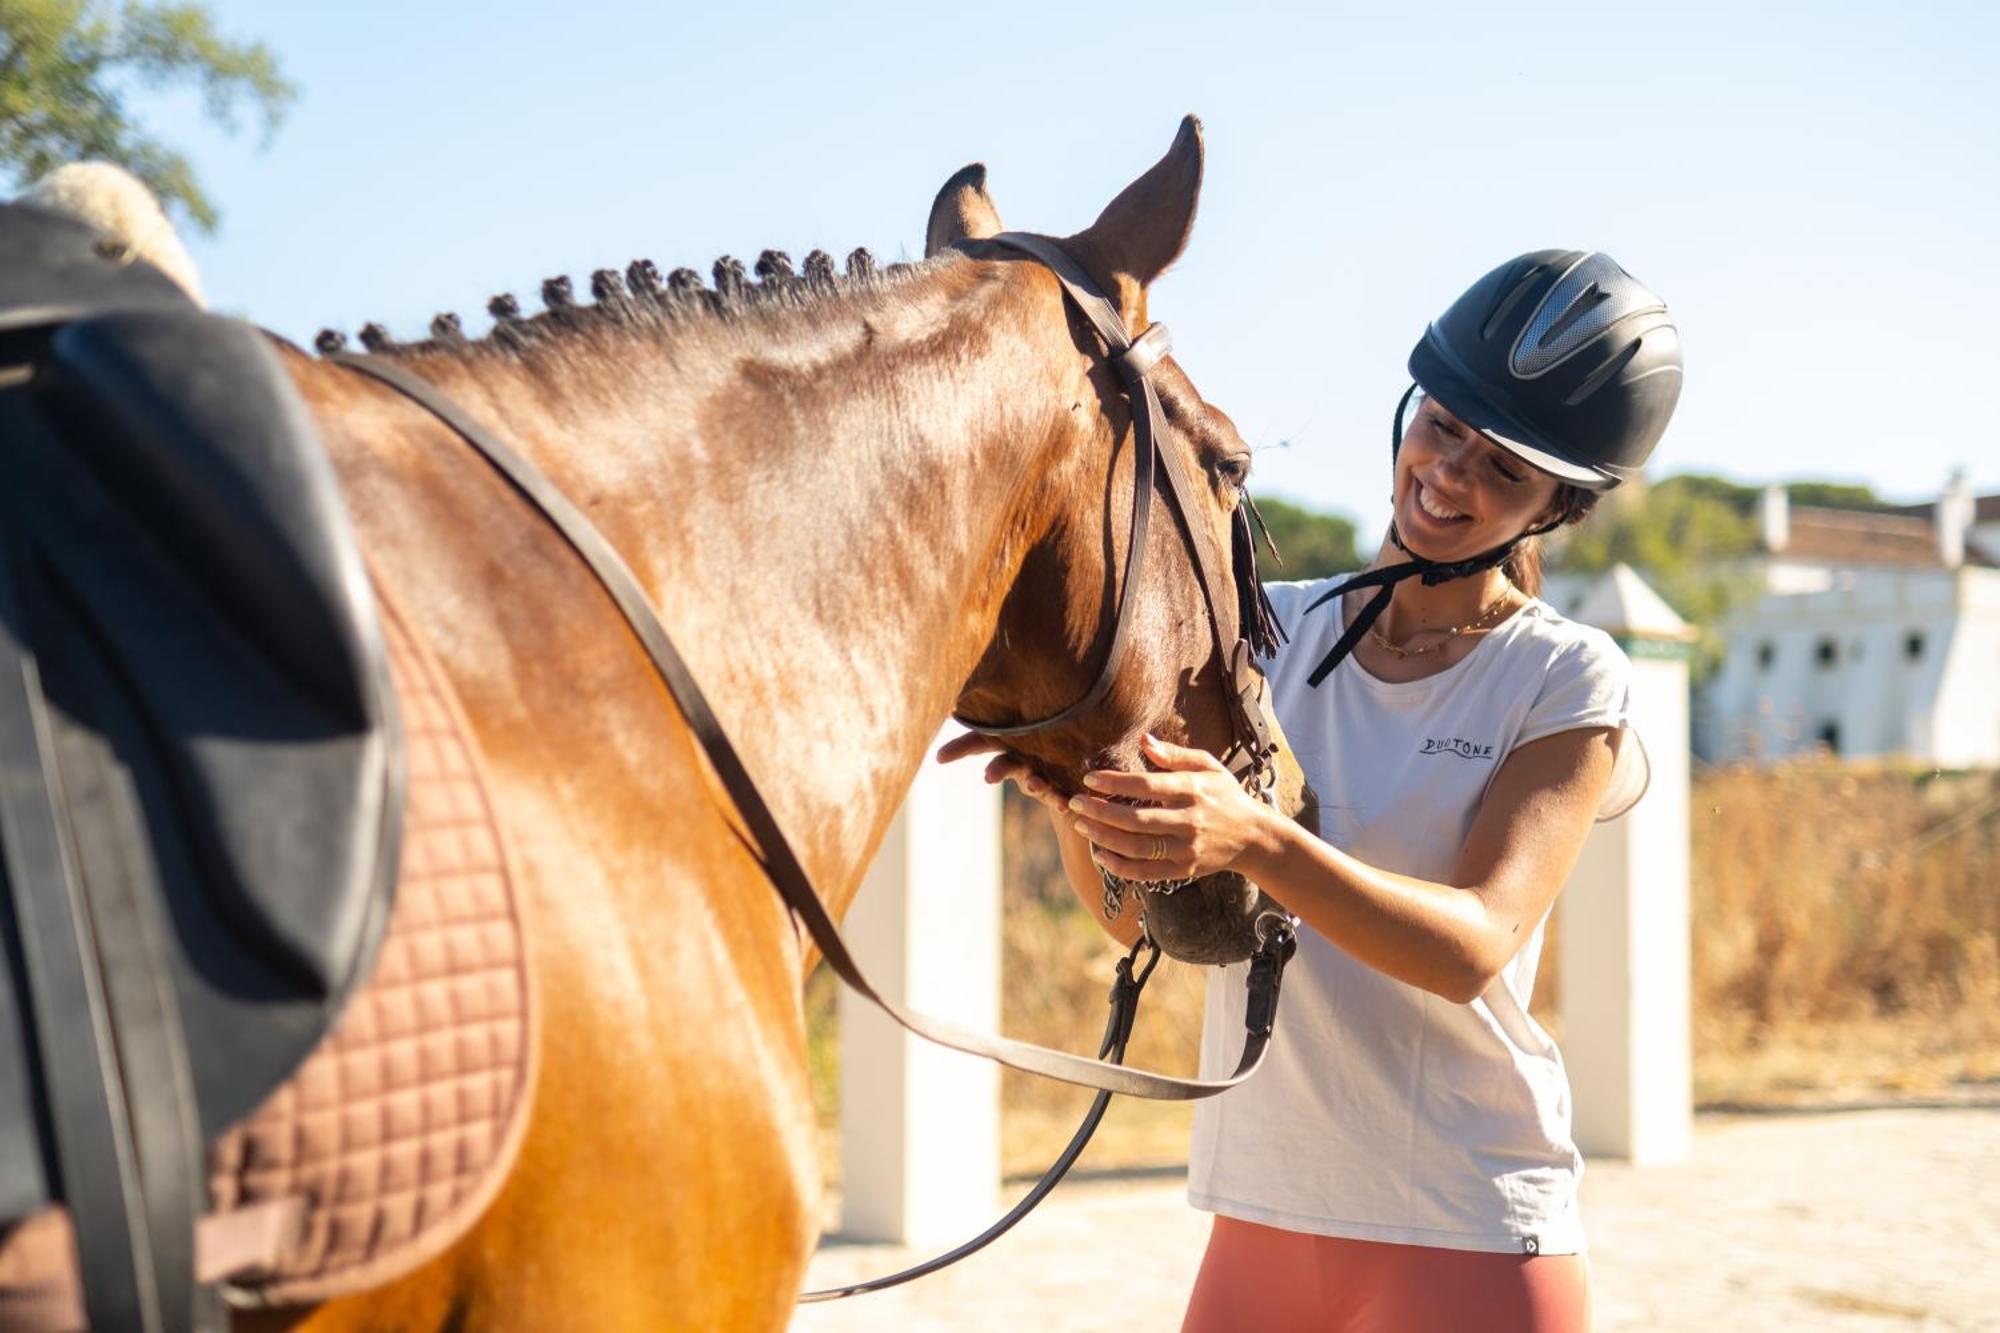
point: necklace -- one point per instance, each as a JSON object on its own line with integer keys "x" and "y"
{"x": 1479, "y": 624}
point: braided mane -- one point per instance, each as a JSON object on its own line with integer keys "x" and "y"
{"x": 639, "y": 299}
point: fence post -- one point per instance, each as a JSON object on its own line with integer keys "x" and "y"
{"x": 920, "y": 1125}
{"x": 1625, "y": 954}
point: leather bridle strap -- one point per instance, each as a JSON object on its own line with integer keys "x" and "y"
{"x": 1125, "y": 988}
{"x": 768, "y": 842}
{"x": 1135, "y": 360}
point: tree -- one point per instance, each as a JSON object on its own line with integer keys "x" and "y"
{"x": 1689, "y": 535}
{"x": 1833, "y": 494}
{"x": 67, "y": 67}
{"x": 1312, "y": 544}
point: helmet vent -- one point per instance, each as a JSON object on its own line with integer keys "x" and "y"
{"x": 1510, "y": 300}
{"x": 1585, "y": 302}
{"x": 1582, "y": 306}
{"x": 1603, "y": 375}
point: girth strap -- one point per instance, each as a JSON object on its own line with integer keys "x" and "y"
{"x": 128, "y": 1157}
{"x": 770, "y": 846}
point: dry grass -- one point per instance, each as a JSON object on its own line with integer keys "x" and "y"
{"x": 1845, "y": 931}
{"x": 1845, "y": 928}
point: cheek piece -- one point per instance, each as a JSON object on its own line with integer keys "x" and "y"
{"x": 1387, "y": 577}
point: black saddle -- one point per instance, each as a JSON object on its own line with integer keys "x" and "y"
{"x": 200, "y": 779}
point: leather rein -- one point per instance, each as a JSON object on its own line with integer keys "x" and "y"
{"x": 1250, "y": 757}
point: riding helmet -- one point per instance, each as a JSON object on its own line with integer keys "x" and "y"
{"x": 1562, "y": 358}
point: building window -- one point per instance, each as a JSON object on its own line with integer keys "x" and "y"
{"x": 1829, "y": 736}
{"x": 1767, "y": 653}
{"x": 1913, "y": 646}
{"x": 1826, "y": 652}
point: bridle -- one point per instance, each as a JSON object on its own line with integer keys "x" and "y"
{"x": 1252, "y": 753}
{"x": 1251, "y": 756}
{"x": 1254, "y": 746}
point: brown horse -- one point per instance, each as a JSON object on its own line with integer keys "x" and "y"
{"x": 858, "y": 503}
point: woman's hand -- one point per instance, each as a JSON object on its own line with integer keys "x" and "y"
{"x": 1078, "y": 868}
{"x": 1006, "y": 766}
{"x": 1197, "y": 818}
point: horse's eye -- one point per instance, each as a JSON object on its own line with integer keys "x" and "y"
{"x": 1233, "y": 469}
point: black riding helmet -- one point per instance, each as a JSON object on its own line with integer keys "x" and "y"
{"x": 1560, "y": 357}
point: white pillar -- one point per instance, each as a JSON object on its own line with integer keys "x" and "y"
{"x": 1625, "y": 954}
{"x": 920, "y": 1125}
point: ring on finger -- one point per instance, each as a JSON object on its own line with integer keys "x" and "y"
{"x": 1156, "y": 848}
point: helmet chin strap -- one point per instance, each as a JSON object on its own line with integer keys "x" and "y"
{"x": 1385, "y": 578}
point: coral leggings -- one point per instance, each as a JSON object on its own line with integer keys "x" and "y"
{"x": 1258, "y": 1277}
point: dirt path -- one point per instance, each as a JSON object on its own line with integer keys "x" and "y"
{"x": 1857, "y": 1220}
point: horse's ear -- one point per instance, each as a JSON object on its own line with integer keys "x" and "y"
{"x": 962, "y": 211}
{"x": 1146, "y": 227}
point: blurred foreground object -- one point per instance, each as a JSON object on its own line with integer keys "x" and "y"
{"x": 117, "y": 204}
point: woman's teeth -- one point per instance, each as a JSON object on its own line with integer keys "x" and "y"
{"x": 1437, "y": 511}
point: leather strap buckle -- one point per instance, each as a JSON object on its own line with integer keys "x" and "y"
{"x": 1137, "y": 361}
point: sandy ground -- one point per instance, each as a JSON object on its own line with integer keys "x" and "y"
{"x": 1870, "y": 1219}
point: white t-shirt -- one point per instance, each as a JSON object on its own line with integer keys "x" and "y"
{"x": 1385, "y": 1112}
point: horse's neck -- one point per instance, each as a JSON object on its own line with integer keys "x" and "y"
{"x": 828, "y": 508}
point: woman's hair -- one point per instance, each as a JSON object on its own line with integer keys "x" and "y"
{"x": 1524, "y": 565}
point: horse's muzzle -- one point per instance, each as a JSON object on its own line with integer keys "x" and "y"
{"x": 1220, "y": 918}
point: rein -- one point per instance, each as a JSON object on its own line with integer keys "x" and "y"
{"x": 1252, "y": 752}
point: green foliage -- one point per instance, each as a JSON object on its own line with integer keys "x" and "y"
{"x": 1832, "y": 494}
{"x": 66, "y": 67}
{"x": 1696, "y": 487}
{"x": 1312, "y": 544}
{"x": 1688, "y": 535}
{"x": 1673, "y": 526}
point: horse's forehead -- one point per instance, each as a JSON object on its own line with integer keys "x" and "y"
{"x": 1185, "y": 403}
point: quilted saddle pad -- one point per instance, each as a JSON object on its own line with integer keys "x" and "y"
{"x": 399, "y": 1129}
{"x": 389, "y": 1141}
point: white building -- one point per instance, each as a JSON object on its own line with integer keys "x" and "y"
{"x": 1876, "y": 636}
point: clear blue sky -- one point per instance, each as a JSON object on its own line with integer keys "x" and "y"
{"x": 1815, "y": 188}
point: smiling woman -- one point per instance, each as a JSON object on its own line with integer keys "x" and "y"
{"x": 1483, "y": 469}
{"x": 1405, "y": 1161}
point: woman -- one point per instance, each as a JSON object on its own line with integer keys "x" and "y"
{"x": 1404, "y": 1160}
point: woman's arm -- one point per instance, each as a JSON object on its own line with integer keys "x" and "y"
{"x": 1080, "y": 869}
{"x": 1449, "y": 938}
{"x": 1089, "y": 885}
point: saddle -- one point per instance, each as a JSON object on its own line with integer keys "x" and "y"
{"x": 203, "y": 766}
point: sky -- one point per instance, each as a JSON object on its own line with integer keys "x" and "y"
{"x": 1812, "y": 187}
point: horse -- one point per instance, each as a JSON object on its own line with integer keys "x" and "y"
{"x": 861, "y": 503}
